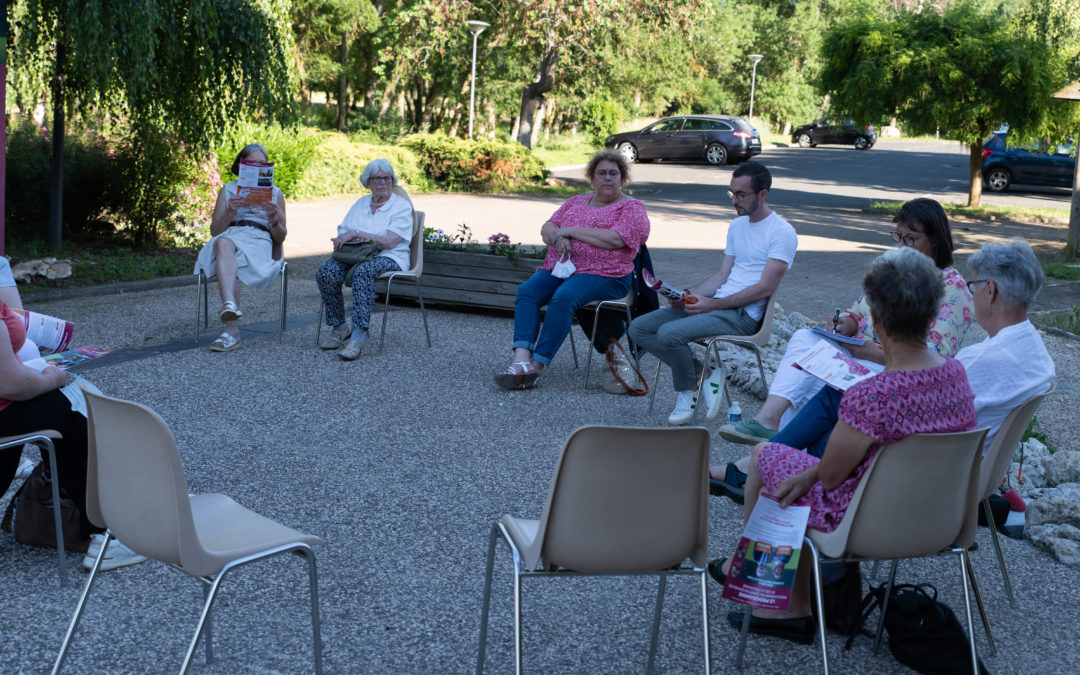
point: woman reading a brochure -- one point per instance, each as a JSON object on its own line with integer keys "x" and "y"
{"x": 919, "y": 391}
{"x": 248, "y": 228}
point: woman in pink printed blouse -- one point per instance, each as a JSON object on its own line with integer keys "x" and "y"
{"x": 920, "y": 391}
{"x": 599, "y": 233}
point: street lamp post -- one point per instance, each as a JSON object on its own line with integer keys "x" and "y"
{"x": 476, "y": 27}
{"x": 753, "y": 81}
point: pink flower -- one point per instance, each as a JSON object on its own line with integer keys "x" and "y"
{"x": 967, "y": 314}
{"x": 945, "y": 313}
{"x": 935, "y": 337}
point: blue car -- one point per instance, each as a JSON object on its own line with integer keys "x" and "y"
{"x": 1036, "y": 164}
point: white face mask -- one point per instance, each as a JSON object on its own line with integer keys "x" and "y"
{"x": 564, "y": 268}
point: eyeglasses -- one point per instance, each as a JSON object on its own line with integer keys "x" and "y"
{"x": 972, "y": 285}
{"x": 738, "y": 195}
{"x": 905, "y": 239}
{"x": 613, "y": 173}
{"x": 379, "y": 179}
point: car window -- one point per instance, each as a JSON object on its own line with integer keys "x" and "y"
{"x": 670, "y": 125}
{"x": 705, "y": 125}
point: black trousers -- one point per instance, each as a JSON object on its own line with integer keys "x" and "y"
{"x": 51, "y": 410}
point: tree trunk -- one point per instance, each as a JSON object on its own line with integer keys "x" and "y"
{"x": 975, "y": 175}
{"x": 532, "y": 96}
{"x": 514, "y": 126}
{"x": 343, "y": 86}
{"x": 56, "y": 193}
{"x": 1072, "y": 245}
{"x": 490, "y": 119}
{"x": 388, "y": 93}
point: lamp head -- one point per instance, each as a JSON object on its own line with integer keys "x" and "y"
{"x": 477, "y": 27}
{"x": 756, "y": 57}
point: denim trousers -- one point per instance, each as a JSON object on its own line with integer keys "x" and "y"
{"x": 810, "y": 429}
{"x": 563, "y": 297}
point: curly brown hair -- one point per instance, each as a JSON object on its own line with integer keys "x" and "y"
{"x": 613, "y": 156}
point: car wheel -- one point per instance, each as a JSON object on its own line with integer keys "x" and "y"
{"x": 998, "y": 179}
{"x": 861, "y": 143}
{"x": 629, "y": 152}
{"x": 716, "y": 154}
{"x": 805, "y": 141}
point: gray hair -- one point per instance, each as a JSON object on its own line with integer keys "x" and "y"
{"x": 904, "y": 288}
{"x": 375, "y": 166}
{"x": 1013, "y": 267}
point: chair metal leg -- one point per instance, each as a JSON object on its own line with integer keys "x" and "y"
{"x": 82, "y": 604}
{"x": 704, "y": 582}
{"x": 819, "y": 603}
{"x": 485, "y": 603}
{"x": 655, "y": 379}
{"x": 885, "y": 605}
{"x": 385, "y": 313}
{"x": 761, "y": 370}
{"x": 319, "y": 323}
{"x": 423, "y": 311}
{"x": 284, "y": 299}
{"x": 204, "y": 621}
{"x": 54, "y": 472}
{"x": 997, "y": 549}
{"x": 209, "y": 625}
{"x": 316, "y": 622}
{"x": 573, "y": 346}
{"x": 744, "y": 633}
{"x": 517, "y": 614}
{"x": 979, "y": 603}
{"x": 200, "y": 298}
{"x": 967, "y": 611}
{"x": 661, "y": 587}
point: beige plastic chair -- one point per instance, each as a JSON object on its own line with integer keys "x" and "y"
{"x": 623, "y": 501}
{"x": 416, "y": 269}
{"x": 135, "y": 487}
{"x": 202, "y": 291}
{"x": 934, "y": 477}
{"x": 44, "y": 439}
{"x": 712, "y": 351}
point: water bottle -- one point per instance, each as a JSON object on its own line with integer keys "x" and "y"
{"x": 734, "y": 413}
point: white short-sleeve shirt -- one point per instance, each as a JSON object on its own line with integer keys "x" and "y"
{"x": 396, "y": 216}
{"x": 752, "y": 245}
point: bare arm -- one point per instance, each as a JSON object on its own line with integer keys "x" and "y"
{"x": 19, "y": 383}
{"x": 275, "y": 215}
{"x": 764, "y": 288}
{"x": 598, "y": 237}
{"x": 224, "y": 211}
{"x": 847, "y": 447}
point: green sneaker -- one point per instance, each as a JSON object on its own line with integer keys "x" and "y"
{"x": 750, "y": 432}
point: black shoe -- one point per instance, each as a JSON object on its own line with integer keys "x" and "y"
{"x": 731, "y": 487}
{"x": 799, "y": 630}
{"x": 716, "y": 570}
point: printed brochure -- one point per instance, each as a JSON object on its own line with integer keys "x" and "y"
{"x": 763, "y": 568}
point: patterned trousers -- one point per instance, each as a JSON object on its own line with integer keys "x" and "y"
{"x": 330, "y": 278}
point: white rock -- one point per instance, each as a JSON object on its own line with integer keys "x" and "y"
{"x": 1054, "y": 506}
{"x": 1062, "y": 467}
{"x": 50, "y": 268}
{"x": 1062, "y": 541}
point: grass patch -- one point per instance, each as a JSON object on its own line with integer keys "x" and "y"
{"x": 548, "y": 190}
{"x": 1062, "y": 270}
{"x": 1068, "y": 321}
{"x": 99, "y": 265}
{"x": 1040, "y": 214}
{"x": 565, "y": 150}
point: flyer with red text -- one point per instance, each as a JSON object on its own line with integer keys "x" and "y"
{"x": 767, "y": 557}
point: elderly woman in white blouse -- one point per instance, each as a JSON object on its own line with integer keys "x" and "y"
{"x": 385, "y": 217}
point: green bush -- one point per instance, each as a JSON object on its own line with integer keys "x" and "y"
{"x": 337, "y": 168}
{"x": 474, "y": 166}
{"x": 292, "y": 150}
{"x": 600, "y": 118}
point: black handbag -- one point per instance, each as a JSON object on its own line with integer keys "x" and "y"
{"x": 356, "y": 252}
{"x": 30, "y": 515}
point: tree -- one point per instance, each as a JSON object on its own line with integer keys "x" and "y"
{"x": 965, "y": 69}
{"x": 172, "y": 68}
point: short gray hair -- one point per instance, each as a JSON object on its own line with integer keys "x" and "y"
{"x": 1013, "y": 267}
{"x": 904, "y": 288}
{"x": 375, "y": 166}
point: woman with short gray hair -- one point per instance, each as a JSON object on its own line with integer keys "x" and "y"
{"x": 1013, "y": 268}
{"x": 385, "y": 217}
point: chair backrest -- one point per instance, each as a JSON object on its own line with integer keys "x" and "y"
{"x": 135, "y": 482}
{"x": 625, "y": 500}
{"x": 764, "y": 334}
{"x": 918, "y": 496}
{"x": 999, "y": 455}
{"x": 416, "y": 246}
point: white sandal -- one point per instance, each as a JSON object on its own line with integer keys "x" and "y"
{"x": 524, "y": 377}
{"x": 224, "y": 343}
{"x": 230, "y": 312}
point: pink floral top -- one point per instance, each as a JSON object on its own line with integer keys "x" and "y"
{"x": 627, "y": 218}
{"x": 948, "y": 329}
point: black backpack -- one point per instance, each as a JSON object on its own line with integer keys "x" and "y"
{"x": 924, "y": 634}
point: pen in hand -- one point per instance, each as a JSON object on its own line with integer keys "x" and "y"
{"x": 836, "y": 320}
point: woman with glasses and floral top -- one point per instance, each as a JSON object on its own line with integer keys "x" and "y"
{"x": 385, "y": 216}
{"x": 921, "y": 224}
{"x": 599, "y": 234}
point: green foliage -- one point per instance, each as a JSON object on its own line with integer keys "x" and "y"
{"x": 600, "y": 118}
{"x": 98, "y": 265}
{"x": 292, "y": 150}
{"x": 497, "y": 244}
{"x": 474, "y": 166}
{"x": 1035, "y": 430}
{"x": 337, "y": 168}
{"x": 1061, "y": 270}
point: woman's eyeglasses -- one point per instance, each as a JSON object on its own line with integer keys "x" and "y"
{"x": 972, "y": 285}
{"x": 905, "y": 239}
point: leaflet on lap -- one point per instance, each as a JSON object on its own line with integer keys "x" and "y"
{"x": 766, "y": 559}
{"x": 837, "y": 368}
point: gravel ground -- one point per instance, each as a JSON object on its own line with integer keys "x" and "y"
{"x": 401, "y": 462}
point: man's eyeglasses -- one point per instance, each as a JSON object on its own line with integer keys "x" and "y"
{"x": 738, "y": 195}
{"x": 906, "y": 239}
{"x": 972, "y": 285}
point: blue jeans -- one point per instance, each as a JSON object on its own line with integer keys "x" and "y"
{"x": 563, "y": 297}
{"x": 810, "y": 429}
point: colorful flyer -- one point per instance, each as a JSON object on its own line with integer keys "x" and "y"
{"x": 763, "y": 568}
{"x": 73, "y": 357}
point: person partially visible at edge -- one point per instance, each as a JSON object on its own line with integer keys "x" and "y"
{"x": 599, "y": 233}
{"x": 921, "y": 224}
{"x": 246, "y": 245}
{"x": 9, "y": 294}
{"x": 919, "y": 391}
{"x": 384, "y": 216}
{"x": 760, "y": 248}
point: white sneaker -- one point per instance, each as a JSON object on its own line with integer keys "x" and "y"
{"x": 118, "y": 555}
{"x": 713, "y": 392}
{"x": 684, "y": 409}
{"x": 26, "y": 467}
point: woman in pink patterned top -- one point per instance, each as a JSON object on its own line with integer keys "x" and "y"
{"x": 920, "y": 391}
{"x": 600, "y": 233}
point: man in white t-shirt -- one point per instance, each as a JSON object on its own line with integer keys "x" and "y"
{"x": 760, "y": 248}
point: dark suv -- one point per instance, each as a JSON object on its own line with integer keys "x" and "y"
{"x": 1036, "y": 164}
{"x": 841, "y": 131}
{"x": 718, "y": 139}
